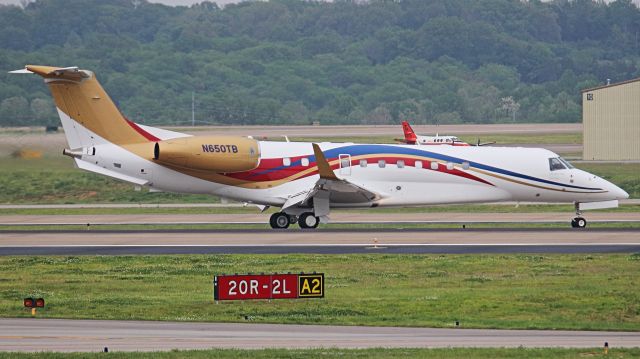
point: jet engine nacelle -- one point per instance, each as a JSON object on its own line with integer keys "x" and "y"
{"x": 221, "y": 154}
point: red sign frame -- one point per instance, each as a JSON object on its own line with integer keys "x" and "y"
{"x": 264, "y": 286}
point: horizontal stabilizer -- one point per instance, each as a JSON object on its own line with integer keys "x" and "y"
{"x": 103, "y": 171}
{"x": 21, "y": 71}
{"x": 66, "y": 73}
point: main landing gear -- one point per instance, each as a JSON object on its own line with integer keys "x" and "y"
{"x": 282, "y": 220}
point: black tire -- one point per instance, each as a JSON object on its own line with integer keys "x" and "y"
{"x": 308, "y": 220}
{"x": 293, "y": 219}
{"x": 573, "y": 223}
{"x": 580, "y": 222}
{"x": 279, "y": 221}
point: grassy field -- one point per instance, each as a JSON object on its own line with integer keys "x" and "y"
{"x": 54, "y": 180}
{"x": 350, "y": 353}
{"x": 597, "y": 292}
{"x": 624, "y": 175}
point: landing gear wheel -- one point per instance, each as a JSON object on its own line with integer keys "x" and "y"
{"x": 308, "y": 220}
{"x": 578, "y": 222}
{"x": 279, "y": 221}
{"x": 293, "y": 219}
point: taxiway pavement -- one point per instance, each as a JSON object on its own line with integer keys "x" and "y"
{"x": 93, "y": 335}
{"x": 398, "y": 237}
{"x": 337, "y": 217}
{"x": 321, "y": 241}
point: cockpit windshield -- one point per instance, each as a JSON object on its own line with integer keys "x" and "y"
{"x": 559, "y": 163}
{"x": 566, "y": 163}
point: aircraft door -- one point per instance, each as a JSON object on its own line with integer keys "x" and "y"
{"x": 345, "y": 164}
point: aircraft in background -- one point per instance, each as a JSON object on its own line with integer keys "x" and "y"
{"x": 307, "y": 180}
{"x": 411, "y": 138}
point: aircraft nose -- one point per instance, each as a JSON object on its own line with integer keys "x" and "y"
{"x": 618, "y": 192}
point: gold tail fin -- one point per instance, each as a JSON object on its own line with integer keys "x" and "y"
{"x": 79, "y": 95}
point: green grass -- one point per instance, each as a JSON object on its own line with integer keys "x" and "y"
{"x": 55, "y": 180}
{"x": 489, "y": 353}
{"x": 595, "y": 292}
{"x": 624, "y": 175}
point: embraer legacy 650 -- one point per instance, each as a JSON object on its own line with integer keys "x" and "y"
{"x": 306, "y": 180}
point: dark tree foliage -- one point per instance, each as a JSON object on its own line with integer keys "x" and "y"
{"x": 291, "y": 61}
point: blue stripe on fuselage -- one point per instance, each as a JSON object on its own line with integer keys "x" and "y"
{"x": 358, "y": 150}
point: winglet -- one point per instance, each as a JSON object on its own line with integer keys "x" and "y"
{"x": 324, "y": 169}
{"x": 21, "y": 71}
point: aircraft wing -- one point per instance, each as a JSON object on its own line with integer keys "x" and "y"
{"x": 330, "y": 188}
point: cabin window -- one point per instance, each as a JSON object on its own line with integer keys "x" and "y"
{"x": 555, "y": 164}
{"x": 304, "y": 162}
{"x": 363, "y": 163}
{"x": 400, "y": 164}
{"x": 344, "y": 162}
{"x": 382, "y": 163}
{"x": 449, "y": 166}
{"x": 434, "y": 165}
{"x": 465, "y": 165}
{"x": 418, "y": 164}
{"x": 286, "y": 161}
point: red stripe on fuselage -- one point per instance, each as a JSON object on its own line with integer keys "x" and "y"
{"x": 265, "y": 171}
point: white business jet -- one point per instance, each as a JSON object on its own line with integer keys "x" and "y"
{"x": 306, "y": 180}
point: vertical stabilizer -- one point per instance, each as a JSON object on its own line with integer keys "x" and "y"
{"x": 409, "y": 135}
{"x": 81, "y": 100}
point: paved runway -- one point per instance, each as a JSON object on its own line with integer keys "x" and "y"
{"x": 325, "y": 241}
{"x": 398, "y": 239}
{"x": 337, "y": 217}
{"x": 88, "y": 335}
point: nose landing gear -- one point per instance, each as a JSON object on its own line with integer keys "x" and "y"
{"x": 578, "y": 222}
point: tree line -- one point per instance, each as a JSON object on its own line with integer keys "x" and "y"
{"x": 340, "y": 62}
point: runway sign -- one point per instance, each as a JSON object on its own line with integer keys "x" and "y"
{"x": 268, "y": 286}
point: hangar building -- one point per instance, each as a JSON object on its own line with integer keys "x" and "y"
{"x": 611, "y": 122}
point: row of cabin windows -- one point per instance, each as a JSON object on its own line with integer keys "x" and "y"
{"x": 417, "y": 164}
{"x": 303, "y": 161}
{"x": 381, "y": 163}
